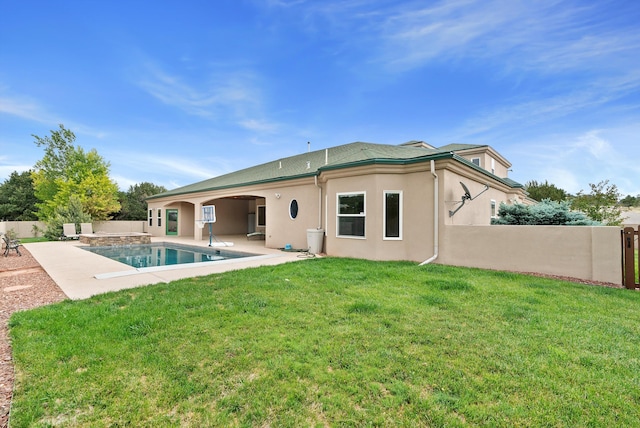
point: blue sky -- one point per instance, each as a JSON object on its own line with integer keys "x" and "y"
{"x": 174, "y": 92}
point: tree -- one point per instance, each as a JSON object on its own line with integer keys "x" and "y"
{"x": 547, "y": 212}
{"x": 133, "y": 202}
{"x": 72, "y": 212}
{"x": 540, "y": 191}
{"x": 630, "y": 201}
{"x": 17, "y": 199}
{"x": 601, "y": 204}
{"x": 66, "y": 171}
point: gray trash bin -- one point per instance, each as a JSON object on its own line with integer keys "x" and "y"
{"x": 315, "y": 239}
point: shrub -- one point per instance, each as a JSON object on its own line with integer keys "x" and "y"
{"x": 71, "y": 213}
{"x": 547, "y": 212}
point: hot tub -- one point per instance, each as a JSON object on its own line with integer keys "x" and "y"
{"x": 115, "y": 239}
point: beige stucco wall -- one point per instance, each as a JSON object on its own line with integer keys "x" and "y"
{"x": 232, "y": 214}
{"x": 281, "y": 228}
{"x": 416, "y": 185}
{"x": 115, "y": 226}
{"x": 24, "y": 229}
{"x": 317, "y": 202}
{"x": 488, "y": 158}
{"x": 590, "y": 253}
{"x": 466, "y": 238}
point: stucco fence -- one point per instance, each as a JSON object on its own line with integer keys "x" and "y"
{"x": 589, "y": 253}
{"x": 584, "y": 252}
{"x": 25, "y": 229}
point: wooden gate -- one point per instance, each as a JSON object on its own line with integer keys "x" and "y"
{"x": 630, "y": 258}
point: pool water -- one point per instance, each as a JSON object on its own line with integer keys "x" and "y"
{"x": 164, "y": 254}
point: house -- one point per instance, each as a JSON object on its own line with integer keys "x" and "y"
{"x": 374, "y": 201}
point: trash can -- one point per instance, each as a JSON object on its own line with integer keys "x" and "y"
{"x": 315, "y": 238}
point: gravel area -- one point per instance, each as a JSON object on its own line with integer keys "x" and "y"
{"x": 23, "y": 285}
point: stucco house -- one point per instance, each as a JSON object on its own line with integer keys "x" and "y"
{"x": 374, "y": 201}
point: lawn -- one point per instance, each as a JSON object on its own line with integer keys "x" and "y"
{"x": 334, "y": 342}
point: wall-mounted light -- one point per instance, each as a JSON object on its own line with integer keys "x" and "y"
{"x": 278, "y": 195}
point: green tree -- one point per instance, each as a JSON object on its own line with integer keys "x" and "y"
{"x": 546, "y": 212}
{"x": 133, "y": 202}
{"x": 17, "y": 198}
{"x": 540, "y": 191}
{"x": 72, "y": 212}
{"x": 67, "y": 170}
{"x": 630, "y": 201}
{"x": 601, "y": 204}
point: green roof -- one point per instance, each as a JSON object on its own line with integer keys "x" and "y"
{"x": 458, "y": 147}
{"x": 311, "y": 163}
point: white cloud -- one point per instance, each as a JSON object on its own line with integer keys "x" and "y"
{"x": 561, "y": 178}
{"x": 26, "y": 108}
{"x": 6, "y": 170}
{"x": 186, "y": 167}
{"x": 596, "y": 94}
{"x": 223, "y": 93}
{"x": 542, "y": 35}
{"x": 573, "y": 160}
{"x": 259, "y": 125}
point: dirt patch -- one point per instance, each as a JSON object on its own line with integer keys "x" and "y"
{"x": 23, "y": 285}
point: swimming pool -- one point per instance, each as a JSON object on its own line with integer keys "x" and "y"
{"x": 164, "y": 254}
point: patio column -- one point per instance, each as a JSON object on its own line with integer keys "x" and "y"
{"x": 197, "y": 214}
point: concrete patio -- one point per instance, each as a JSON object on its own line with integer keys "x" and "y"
{"x": 81, "y": 274}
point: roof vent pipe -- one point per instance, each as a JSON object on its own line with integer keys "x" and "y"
{"x": 435, "y": 215}
{"x": 326, "y": 156}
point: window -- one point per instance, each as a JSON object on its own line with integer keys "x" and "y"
{"x": 493, "y": 208}
{"x": 293, "y": 209}
{"x": 392, "y": 215}
{"x": 493, "y": 166}
{"x": 475, "y": 161}
{"x": 262, "y": 216}
{"x": 159, "y": 218}
{"x": 151, "y": 217}
{"x": 351, "y": 214}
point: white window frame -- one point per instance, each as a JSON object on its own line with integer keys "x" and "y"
{"x": 479, "y": 163}
{"x": 493, "y": 166}
{"x": 150, "y": 217}
{"x": 384, "y": 215}
{"x": 494, "y": 209}
{"x": 363, "y": 214}
{"x": 159, "y": 218}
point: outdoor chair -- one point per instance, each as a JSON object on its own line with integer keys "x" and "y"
{"x": 11, "y": 244}
{"x": 86, "y": 228}
{"x": 69, "y": 231}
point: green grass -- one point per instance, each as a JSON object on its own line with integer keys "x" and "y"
{"x": 334, "y": 342}
{"x": 36, "y": 239}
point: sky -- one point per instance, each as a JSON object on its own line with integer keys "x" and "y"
{"x": 175, "y": 92}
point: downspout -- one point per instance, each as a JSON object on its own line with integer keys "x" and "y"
{"x": 435, "y": 215}
{"x": 319, "y": 203}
